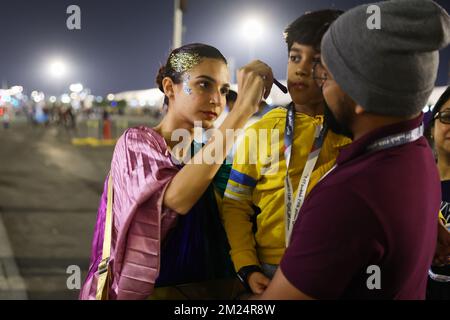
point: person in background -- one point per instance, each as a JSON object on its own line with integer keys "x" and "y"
{"x": 6, "y": 120}
{"x": 439, "y": 136}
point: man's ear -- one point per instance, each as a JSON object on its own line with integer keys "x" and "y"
{"x": 168, "y": 87}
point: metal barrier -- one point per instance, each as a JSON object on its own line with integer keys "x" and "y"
{"x": 93, "y": 132}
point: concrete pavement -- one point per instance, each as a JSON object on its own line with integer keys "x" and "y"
{"x": 49, "y": 193}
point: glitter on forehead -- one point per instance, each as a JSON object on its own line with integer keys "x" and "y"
{"x": 184, "y": 61}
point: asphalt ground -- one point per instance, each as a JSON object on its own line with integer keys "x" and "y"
{"x": 49, "y": 193}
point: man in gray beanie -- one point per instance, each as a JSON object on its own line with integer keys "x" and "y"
{"x": 368, "y": 229}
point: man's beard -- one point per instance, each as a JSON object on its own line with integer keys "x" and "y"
{"x": 333, "y": 124}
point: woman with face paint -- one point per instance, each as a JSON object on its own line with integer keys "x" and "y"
{"x": 166, "y": 228}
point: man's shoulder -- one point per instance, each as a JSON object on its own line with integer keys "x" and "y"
{"x": 339, "y": 188}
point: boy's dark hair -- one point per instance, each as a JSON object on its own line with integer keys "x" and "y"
{"x": 310, "y": 28}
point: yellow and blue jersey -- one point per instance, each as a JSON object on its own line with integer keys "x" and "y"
{"x": 257, "y": 182}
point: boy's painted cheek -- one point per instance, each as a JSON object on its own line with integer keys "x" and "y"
{"x": 186, "y": 88}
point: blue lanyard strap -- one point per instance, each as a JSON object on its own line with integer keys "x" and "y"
{"x": 292, "y": 206}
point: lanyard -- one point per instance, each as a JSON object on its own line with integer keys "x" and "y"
{"x": 390, "y": 141}
{"x": 396, "y": 139}
{"x": 292, "y": 207}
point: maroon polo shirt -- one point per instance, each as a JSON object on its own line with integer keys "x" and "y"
{"x": 376, "y": 208}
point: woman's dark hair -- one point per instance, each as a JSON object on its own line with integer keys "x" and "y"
{"x": 437, "y": 107}
{"x": 183, "y": 57}
{"x": 310, "y": 28}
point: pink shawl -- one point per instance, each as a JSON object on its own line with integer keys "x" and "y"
{"x": 141, "y": 169}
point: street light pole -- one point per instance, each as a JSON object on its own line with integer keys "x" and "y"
{"x": 177, "y": 25}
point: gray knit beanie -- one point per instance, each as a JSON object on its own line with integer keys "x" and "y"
{"x": 392, "y": 70}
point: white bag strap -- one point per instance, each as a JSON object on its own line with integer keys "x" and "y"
{"x": 103, "y": 267}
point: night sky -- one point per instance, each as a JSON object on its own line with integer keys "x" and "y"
{"x": 122, "y": 43}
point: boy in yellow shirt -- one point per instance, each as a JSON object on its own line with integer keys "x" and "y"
{"x": 299, "y": 151}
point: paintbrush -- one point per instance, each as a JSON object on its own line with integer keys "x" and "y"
{"x": 280, "y": 86}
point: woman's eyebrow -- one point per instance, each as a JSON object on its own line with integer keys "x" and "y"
{"x": 207, "y": 77}
{"x": 212, "y": 80}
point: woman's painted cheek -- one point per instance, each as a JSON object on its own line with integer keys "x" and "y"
{"x": 186, "y": 88}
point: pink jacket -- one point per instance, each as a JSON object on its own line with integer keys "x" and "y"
{"x": 141, "y": 169}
